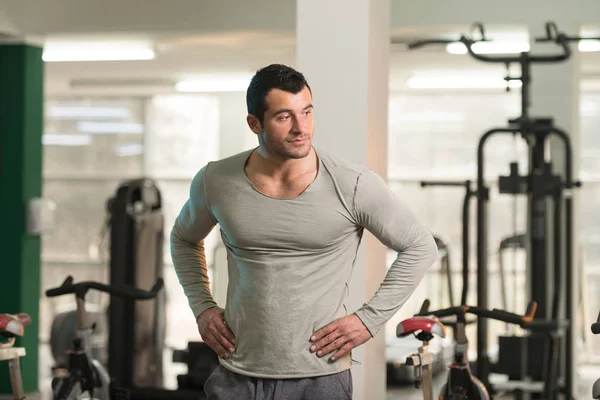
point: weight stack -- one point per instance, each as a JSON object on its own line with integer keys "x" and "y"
{"x": 136, "y": 327}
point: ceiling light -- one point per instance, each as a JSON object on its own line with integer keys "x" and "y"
{"x": 493, "y": 47}
{"x": 460, "y": 82}
{"x": 57, "y": 51}
{"x": 429, "y": 116}
{"x": 117, "y": 128}
{"x": 61, "y": 112}
{"x": 60, "y": 139}
{"x": 589, "y": 45}
{"x": 235, "y": 83}
{"x": 127, "y": 150}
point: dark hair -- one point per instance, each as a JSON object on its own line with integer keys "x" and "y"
{"x": 274, "y": 76}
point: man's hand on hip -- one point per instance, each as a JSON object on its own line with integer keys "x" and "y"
{"x": 215, "y": 332}
{"x": 342, "y": 335}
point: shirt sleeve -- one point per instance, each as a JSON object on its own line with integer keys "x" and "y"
{"x": 379, "y": 211}
{"x": 193, "y": 224}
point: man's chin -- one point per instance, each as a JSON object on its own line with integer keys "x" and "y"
{"x": 298, "y": 153}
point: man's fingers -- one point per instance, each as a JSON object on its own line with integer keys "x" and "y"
{"x": 222, "y": 334}
{"x": 327, "y": 340}
{"x": 216, "y": 346}
{"x": 224, "y": 330}
{"x": 327, "y": 329}
{"x": 342, "y": 351}
{"x": 334, "y": 345}
{"x": 227, "y": 345}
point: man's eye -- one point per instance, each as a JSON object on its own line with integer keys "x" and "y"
{"x": 283, "y": 117}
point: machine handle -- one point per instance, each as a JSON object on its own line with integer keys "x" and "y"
{"x": 560, "y": 39}
{"x": 446, "y": 183}
{"x": 496, "y": 314}
{"x": 596, "y": 326}
{"x": 506, "y": 316}
{"x": 425, "y": 306}
{"x": 478, "y": 26}
{"x": 80, "y": 289}
{"x": 65, "y": 288}
{"x": 427, "y": 42}
{"x": 445, "y": 312}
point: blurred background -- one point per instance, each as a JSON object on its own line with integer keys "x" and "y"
{"x": 157, "y": 90}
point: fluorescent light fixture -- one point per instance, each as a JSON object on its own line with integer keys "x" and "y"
{"x": 589, "y": 45}
{"x": 590, "y": 85}
{"x": 588, "y": 109}
{"x": 56, "y": 51}
{"x": 224, "y": 83}
{"x": 460, "y": 82}
{"x": 117, "y": 128}
{"x": 60, "y": 112}
{"x": 429, "y": 116}
{"x": 492, "y": 47}
{"x": 127, "y": 150}
{"x": 59, "y": 139}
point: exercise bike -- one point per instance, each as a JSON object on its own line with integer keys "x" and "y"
{"x": 596, "y": 388}
{"x": 460, "y": 384}
{"x": 12, "y": 326}
{"x": 85, "y": 374}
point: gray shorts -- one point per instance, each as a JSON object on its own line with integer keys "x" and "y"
{"x": 224, "y": 384}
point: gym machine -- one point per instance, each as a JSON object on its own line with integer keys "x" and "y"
{"x": 547, "y": 347}
{"x": 83, "y": 373}
{"x": 13, "y": 326}
{"x": 136, "y": 329}
{"x": 445, "y": 270}
{"x": 596, "y": 388}
{"x": 513, "y": 242}
{"x": 460, "y": 382}
{"x": 465, "y": 233}
{"x": 201, "y": 361}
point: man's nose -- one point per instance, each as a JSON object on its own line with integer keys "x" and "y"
{"x": 299, "y": 125}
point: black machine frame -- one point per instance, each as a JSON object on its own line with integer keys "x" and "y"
{"x": 545, "y": 353}
{"x": 133, "y": 200}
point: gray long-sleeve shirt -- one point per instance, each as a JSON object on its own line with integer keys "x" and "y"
{"x": 290, "y": 260}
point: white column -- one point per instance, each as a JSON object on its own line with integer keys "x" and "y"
{"x": 555, "y": 93}
{"x": 343, "y": 49}
{"x": 234, "y": 134}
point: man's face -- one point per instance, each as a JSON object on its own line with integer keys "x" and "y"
{"x": 288, "y": 124}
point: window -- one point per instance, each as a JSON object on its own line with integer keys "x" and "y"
{"x": 91, "y": 145}
{"x": 435, "y": 137}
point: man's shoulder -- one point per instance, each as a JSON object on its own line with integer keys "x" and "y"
{"x": 228, "y": 165}
{"x": 340, "y": 166}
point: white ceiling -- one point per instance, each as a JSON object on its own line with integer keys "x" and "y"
{"x": 185, "y": 56}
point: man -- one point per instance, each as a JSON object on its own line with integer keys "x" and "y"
{"x": 292, "y": 218}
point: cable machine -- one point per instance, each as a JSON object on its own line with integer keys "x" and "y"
{"x": 544, "y": 354}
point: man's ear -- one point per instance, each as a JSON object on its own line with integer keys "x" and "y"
{"x": 254, "y": 124}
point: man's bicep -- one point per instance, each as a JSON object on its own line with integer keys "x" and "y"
{"x": 192, "y": 224}
{"x": 195, "y": 220}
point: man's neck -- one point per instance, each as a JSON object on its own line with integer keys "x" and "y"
{"x": 265, "y": 163}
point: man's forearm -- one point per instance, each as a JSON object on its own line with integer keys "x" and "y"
{"x": 192, "y": 272}
{"x": 400, "y": 282}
